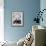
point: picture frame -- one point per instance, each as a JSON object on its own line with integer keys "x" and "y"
{"x": 17, "y": 18}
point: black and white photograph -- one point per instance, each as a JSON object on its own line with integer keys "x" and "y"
{"x": 17, "y": 18}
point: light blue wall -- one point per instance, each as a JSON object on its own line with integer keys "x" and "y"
{"x": 29, "y": 7}
{"x": 43, "y": 6}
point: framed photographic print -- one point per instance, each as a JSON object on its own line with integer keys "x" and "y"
{"x": 17, "y": 18}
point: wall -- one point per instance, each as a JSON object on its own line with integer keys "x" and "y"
{"x": 29, "y": 7}
{"x": 43, "y": 6}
